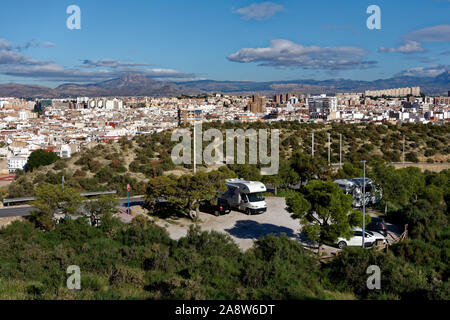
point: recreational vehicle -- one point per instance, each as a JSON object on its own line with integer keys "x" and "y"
{"x": 245, "y": 195}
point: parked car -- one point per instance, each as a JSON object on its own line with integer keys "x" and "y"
{"x": 222, "y": 207}
{"x": 370, "y": 239}
{"x": 377, "y": 225}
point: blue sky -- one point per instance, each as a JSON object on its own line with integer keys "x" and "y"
{"x": 222, "y": 40}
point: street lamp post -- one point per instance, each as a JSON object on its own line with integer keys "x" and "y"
{"x": 329, "y": 151}
{"x": 403, "y": 152}
{"x": 340, "y": 150}
{"x": 195, "y": 150}
{"x": 364, "y": 202}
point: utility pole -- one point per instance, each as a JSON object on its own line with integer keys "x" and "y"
{"x": 312, "y": 144}
{"x": 195, "y": 151}
{"x": 62, "y": 183}
{"x": 329, "y": 149}
{"x": 340, "y": 150}
{"x": 364, "y": 202}
{"x": 403, "y": 154}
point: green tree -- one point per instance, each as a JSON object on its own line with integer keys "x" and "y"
{"x": 324, "y": 211}
{"x": 386, "y": 176}
{"x": 187, "y": 191}
{"x": 50, "y": 199}
{"x": 104, "y": 205}
{"x": 285, "y": 176}
{"x": 307, "y": 167}
{"x": 40, "y": 158}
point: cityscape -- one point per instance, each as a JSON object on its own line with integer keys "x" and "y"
{"x": 223, "y": 157}
{"x": 67, "y": 126}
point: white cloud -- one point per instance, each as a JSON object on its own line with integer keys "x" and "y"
{"x": 409, "y": 46}
{"x": 55, "y": 72}
{"x": 4, "y": 44}
{"x": 13, "y": 57}
{"x": 438, "y": 33}
{"x": 429, "y": 71}
{"x": 14, "y": 63}
{"x": 110, "y": 63}
{"x": 284, "y": 53}
{"x": 260, "y": 11}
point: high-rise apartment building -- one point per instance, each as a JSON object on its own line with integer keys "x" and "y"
{"x": 284, "y": 97}
{"x": 397, "y": 92}
{"x": 257, "y": 105}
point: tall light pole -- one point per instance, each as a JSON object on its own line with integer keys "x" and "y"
{"x": 364, "y": 202}
{"x": 195, "y": 150}
{"x": 329, "y": 147}
{"x": 340, "y": 150}
{"x": 312, "y": 144}
{"x": 403, "y": 153}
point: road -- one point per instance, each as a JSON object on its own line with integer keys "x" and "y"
{"x": 23, "y": 211}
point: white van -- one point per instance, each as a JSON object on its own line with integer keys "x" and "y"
{"x": 246, "y": 195}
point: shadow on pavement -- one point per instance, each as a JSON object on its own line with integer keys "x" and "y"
{"x": 249, "y": 229}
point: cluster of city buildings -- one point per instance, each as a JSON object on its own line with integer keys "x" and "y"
{"x": 66, "y": 126}
{"x": 397, "y": 92}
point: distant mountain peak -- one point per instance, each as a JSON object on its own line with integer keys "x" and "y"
{"x": 444, "y": 77}
{"x": 133, "y": 77}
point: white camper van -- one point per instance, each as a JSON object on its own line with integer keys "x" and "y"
{"x": 245, "y": 195}
{"x": 354, "y": 186}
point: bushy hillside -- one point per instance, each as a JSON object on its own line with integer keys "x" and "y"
{"x": 113, "y": 166}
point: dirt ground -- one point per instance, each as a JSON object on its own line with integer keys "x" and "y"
{"x": 242, "y": 228}
{"x": 6, "y": 221}
{"x": 435, "y": 167}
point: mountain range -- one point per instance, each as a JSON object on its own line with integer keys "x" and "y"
{"x": 140, "y": 85}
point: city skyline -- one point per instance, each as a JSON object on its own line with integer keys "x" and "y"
{"x": 233, "y": 40}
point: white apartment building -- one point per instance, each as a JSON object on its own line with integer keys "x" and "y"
{"x": 397, "y": 92}
{"x": 65, "y": 151}
{"x": 16, "y": 162}
{"x": 321, "y": 106}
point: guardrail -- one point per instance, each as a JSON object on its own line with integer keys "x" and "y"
{"x": 9, "y": 201}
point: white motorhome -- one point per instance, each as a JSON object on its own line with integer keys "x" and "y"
{"x": 246, "y": 195}
{"x": 354, "y": 186}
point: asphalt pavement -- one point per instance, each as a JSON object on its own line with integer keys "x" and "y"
{"x": 24, "y": 210}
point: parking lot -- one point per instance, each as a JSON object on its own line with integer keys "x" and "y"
{"x": 245, "y": 229}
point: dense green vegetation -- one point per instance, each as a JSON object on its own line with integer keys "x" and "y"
{"x": 139, "y": 260}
